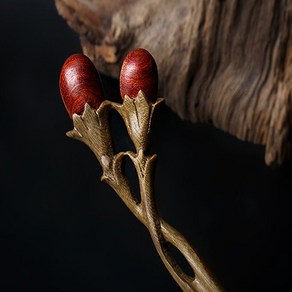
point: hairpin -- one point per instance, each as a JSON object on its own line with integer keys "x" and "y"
{"x": 83, "y": 98}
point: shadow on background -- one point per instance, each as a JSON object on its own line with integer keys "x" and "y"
{"x": 63, "y": 230}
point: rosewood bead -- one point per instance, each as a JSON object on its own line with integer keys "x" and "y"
{"x": 139, "y": 72}
{"x": 79, "y": 84}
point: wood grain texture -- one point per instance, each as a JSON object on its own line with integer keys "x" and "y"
{"x": 92, "y": 128}
{"x": 139, "y": 72}
{"x": 228, "y": 63}
{"x": 80, "y": 84}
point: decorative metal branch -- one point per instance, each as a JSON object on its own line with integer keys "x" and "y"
{"x": 92, "y": 128}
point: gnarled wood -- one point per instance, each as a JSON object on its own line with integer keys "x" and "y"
{"x": 228, "y": 63}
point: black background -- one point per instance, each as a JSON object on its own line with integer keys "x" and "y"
{"x": 63, "y": 230}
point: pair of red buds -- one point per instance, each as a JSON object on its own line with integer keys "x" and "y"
{"x": 80, "y": 83}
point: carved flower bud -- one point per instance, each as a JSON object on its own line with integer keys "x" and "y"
{"x": 79, "y": 84}
{"x": 139, "y": 72}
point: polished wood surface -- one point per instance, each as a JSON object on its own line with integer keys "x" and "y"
{"x": 139, "y": 72}
{"x": 80, "y": 84}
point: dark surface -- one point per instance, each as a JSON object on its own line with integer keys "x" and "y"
{"x": 63, "y": 230}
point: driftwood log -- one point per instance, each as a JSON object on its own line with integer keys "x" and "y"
{"x": 228, "y": 63}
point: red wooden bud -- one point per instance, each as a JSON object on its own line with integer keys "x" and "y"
{"x": 139, "y": 72}
{"x": 79, "y": 84}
